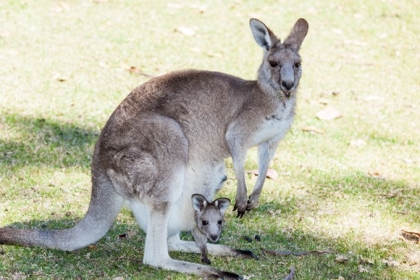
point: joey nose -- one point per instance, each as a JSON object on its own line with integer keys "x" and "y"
{"x": 288, "y": 85}
{"x": 214, "y": 237}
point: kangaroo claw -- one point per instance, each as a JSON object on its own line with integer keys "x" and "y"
{"x": 206, "y": 260}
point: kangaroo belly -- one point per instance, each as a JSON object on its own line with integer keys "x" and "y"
{"x": 202, "y": 178}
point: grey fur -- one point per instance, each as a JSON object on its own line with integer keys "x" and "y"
{"x": 209, "y": 221}
{"x": 168, "y": 140}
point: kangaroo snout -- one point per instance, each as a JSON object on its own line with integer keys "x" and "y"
{"x": 213, "y": 237}
{"x": 287, "y": 85}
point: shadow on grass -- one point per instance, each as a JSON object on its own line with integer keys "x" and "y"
{"x": 46, "y": 142}
{"x": 40, "y": 141}
{"x": 113, "y": 256}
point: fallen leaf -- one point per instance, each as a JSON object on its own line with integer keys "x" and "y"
{"x": 411, "y": 235}
{"x": 311, "y": 128}
{"x": 60, "y": 78}
{"x": 375, "y": 174}
{"x": 187, "y": 31}
{"x": 391, "y": 194}
{"x": 328, "y": 114}
{"x": 136, "y": 70}
{"x": 323, "y": 101}
{"x": 341, "y": 259}
{"x": 210, "y": 54}
{"x": 271, "y": 173}
{"x": 362, "y": 269}
{"x": 391, "y": 263}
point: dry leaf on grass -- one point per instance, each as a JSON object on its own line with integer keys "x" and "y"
{"x": 328, "y": 114}
{"x": 312, "y": 128}
{"x": 391, "y": 262}
{"x": 323, "y": 101}
{"x": 375, "y": 174}
{"x": 138, "y": 71}
{"x": 411, "y": 235}
{"x": 187, "y": 31}
{"x": 341, "y": 259}
{"x": 271, "y": 173}
{"x": 362, "y": 269}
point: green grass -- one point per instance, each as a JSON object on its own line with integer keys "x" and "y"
{"x": 64, "y": 69}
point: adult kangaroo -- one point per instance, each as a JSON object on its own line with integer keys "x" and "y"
{"x": 168, "y": 140}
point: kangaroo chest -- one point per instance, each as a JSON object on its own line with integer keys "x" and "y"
{"x": 274, "y": 125}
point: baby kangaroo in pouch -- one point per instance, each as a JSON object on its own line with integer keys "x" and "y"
{"x": 209, "y": 219}
{"x": 168, "y": 140}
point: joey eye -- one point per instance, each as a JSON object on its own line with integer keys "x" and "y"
{"x": 219, "y": 222}
{"x": 273, "y": 63}
{"x": 205, "y": 223}
{"x": 297, "y": 64}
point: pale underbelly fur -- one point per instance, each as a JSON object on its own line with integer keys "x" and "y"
{"x": 205, "y": 179}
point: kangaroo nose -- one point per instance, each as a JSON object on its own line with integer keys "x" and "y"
{"x": 287, "y": 84}
{"x": 214, "y": 237}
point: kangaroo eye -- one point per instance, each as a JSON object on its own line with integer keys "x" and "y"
{"x": 297, "y": 64}
{"x": 219, "y": 222}
{"x": 205, "y": 223}
{"x": 273, "y": 63}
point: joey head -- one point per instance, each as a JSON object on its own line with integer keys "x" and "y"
{"x": 209, "y": 221}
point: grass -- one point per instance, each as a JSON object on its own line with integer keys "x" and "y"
{"x": 65, "y": 67}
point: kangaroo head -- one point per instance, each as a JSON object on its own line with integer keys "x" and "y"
{"x": 281, "y": 69}
{"x": 209, "y": 216}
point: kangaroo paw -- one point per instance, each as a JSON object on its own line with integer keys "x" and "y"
{"x": 252, "y": 203}
{"x": 206, "y": 260}
{"x": 241, "y": 207}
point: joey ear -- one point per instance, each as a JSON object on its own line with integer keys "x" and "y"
{"x": 199, "y": 202}
{"x": 262, "y": 34}
{"x": 298, "y": 33}
{"x": 222, "y": 203}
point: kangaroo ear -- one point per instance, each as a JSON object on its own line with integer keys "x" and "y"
{"x": 199, "y": 202}
{"x": 262, "y": 34}
{"x": 222, "y": 203}
{"x": 296, "y": 36}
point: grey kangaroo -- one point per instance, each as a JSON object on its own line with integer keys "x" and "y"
{"x": 168, "y": 140}
{"x": 209, "y": 221}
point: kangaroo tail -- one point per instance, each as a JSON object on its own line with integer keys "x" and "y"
{"x": 105, "y": 204}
